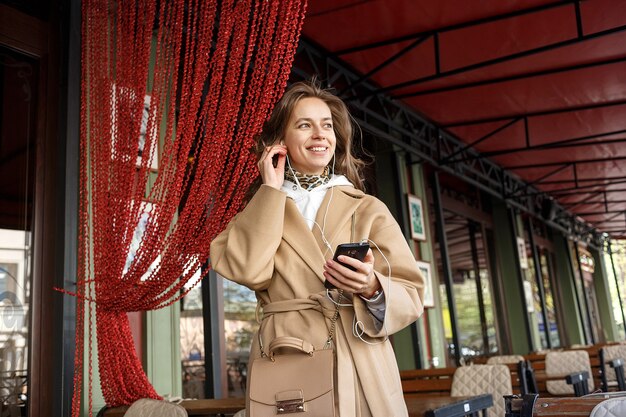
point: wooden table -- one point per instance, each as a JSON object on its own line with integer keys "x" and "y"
{"x": 417, "y": 406}
{"x": 447, "y": 406}
{"x": 197, "y": 408}
{"x": 214, "y": 406}
{"x": 555, "y": 407}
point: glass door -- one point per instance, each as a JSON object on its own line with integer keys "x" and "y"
{"x": 471, "y": 287}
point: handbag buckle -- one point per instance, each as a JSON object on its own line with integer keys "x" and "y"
{"x": 290, "y": 406}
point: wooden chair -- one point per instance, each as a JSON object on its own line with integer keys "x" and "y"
{"x": 438, "y": 381}
{"x": 147, "y": 407}
{"x": 550, "y": 374}
{"x": 427, "y": 382}
{"x": 612, "y": 376}
{"x": 483, "y": 379}
{"x": 517, "y": 368}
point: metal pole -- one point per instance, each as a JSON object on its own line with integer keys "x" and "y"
{"x": 213, "y": 324}
{"x": 404, "y": 215}
{"x": 619, "y": 295}
{"x": 539, "y": 277}
{"x": 479, "y": 288}
{"x": 69, "y": 152}
{"x": 582, "y": 280}
{"x": 580, "y": 309}
{"x": 522, "y": 290}
{"x": 445, "y": 263}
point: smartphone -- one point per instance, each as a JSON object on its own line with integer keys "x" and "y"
{"x": 353, "y": 250}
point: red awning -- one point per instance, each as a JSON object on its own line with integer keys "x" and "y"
{"x": 539, "y": 87}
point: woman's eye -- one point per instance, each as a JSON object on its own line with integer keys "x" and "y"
{"x": 328, "y": 125}
{"x": 303, "y": 125}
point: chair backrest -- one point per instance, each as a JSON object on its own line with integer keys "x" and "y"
{"x": 610, "y": 353}
{"x": 484, "y": 379}
{"x": 147, "y": 407}
{"x": 504, "y": 359}
{"x": 427, "y": 382}
{"x": 517, "y": 367}
{"x": 564, "y": 363}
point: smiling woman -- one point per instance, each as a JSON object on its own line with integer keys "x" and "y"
{"x": 309, "y": 137}
{"x": 308, "y": 200}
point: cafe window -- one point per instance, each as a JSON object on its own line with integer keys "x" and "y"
{"x": 473, "y": 294}
{"x": 239, "y": 328}
{"x": 538, "y": 284}
{"x": 19, "y": 77}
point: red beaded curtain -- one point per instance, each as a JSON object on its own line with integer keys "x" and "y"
{"x": 218, "y": 69}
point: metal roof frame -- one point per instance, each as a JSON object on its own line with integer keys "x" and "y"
{"x": 422, "y": 36}
{"x": 395, "y": 122}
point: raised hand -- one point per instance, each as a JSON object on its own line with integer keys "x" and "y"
{"x": 274, "y": 176}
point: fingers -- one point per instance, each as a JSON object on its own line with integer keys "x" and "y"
{"x": 269, "y": 152}
{"x": 358, "y": 281}
{"x": 273, "y": 176}
{"x": 342, "y": 282}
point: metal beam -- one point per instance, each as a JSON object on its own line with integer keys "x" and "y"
{"x": 565, "y": 143}
{"x": 440, "y": 227}
{"x": 449, "y": 28}
{"x": 518, "y": 77}
{"x": 581, "y": 161}
{"x": 568, "y": 109}
{"x": 385, "y": 63}
{"x": 390, "y": 120}
{"x": 549, "y": 174}
{"x": 539, "y": 280}
{"x": 586, "y": 180}
{"x": 578, "y": 192}
{"x": 582, "y": 203}
{"x": 584, "y": 295}
{"x": 449, "y": 158}
{"x": 619, "y": 295}
{"x": 499, "y": 60}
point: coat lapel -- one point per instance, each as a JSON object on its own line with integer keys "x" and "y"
{"x": 309, "y": 245}
{"x": 298, "y": 235}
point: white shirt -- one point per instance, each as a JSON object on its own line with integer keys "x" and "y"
{"x": 308, "y": 203}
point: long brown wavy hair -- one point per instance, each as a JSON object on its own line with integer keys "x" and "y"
{"x": 274, "y": 130}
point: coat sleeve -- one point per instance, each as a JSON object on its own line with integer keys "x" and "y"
{"x": 402, "y": 285}
{"x": 244, "y": 252}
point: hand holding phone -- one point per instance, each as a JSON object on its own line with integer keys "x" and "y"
{"x": 353, "y": 250}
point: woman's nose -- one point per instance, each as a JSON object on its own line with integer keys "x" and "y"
{"x": 318, "y": 132}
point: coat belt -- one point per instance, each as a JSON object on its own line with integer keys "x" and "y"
{"x": 318, "y": 302}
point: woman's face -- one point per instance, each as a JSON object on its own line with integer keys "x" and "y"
{"x": 310, "y": 137}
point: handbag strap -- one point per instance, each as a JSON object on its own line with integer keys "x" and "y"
{"x": 291, "y": 342}
{"x": 333, "y": 320}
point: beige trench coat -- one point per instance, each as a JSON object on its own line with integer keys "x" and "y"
{"x": 269, "y": 248}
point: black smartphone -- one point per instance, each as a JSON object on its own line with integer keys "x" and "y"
{"x": 353, "y": 250}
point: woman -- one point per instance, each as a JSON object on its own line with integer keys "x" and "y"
{"x": 308, "y": 200}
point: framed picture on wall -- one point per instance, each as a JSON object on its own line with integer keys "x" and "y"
{"x": 148, "y": 132}
{"x": 153, "y": 151}
{"x": 429, "y": 296}
{"x": 416, "y": 217}
{"x": 521, "y": 250}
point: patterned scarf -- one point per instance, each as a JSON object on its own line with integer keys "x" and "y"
{"x": 308, "y": 182}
